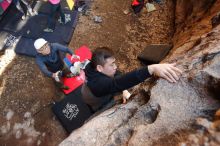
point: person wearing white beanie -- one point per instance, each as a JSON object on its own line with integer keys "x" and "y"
{"x": 48, "y": 57}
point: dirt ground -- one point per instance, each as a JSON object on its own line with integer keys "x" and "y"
{"x": 126, "y": 34}
{"x": 23, "y": 88}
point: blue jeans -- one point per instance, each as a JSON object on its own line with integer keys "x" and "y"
{"x": 53, "y": 10}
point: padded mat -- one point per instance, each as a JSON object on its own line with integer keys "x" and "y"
{"x": 84, "y": 53}
{"x": 25, "y": 46}
{"x": 7, "y": 40}
{"x": 61, "y": 35}
{"x": 32, "y": 28}
{"x": 72, "y": 112}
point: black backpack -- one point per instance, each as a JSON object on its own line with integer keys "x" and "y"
{"x": 137, "y": 5}
{"x": 72, "y": 111}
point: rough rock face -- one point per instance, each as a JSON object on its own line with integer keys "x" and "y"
{"x": 198, "y": 54}
{"x": 191, "y": 11}
{"x": 191, "y": 97}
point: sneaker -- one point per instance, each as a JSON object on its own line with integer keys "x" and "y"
{"x": 48, "y": 30}
{"x": 34, "y": 12}
{"x": 23, "y": 17}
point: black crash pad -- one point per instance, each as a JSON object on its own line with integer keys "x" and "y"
{"x": 7, "y": 40}
{"x": 63, "y": 33}
{"x": 25, "y": 46}
{"x": 72, "y": 112}
{"x": 57, "y": 37}
{"x": 34, "y": 26}
{"x": 154, "y": 53}
{"x": 21, "y": 45}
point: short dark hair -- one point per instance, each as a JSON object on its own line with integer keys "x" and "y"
{"x": 100, "y": 55}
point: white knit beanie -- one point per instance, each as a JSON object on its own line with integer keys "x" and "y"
{"x": 39, "y": 43}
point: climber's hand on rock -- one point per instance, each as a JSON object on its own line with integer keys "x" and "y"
{"x": 166, "y": 71}
{"x": 126, "y": 95}
{"x": 124, "y": 100}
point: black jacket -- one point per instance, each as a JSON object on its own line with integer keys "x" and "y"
{"x": 102, "y": 85}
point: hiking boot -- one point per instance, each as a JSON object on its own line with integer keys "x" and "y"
{"x": 48, "y": 30}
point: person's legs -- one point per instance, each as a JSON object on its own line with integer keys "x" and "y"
{"x": 18, "y": 6}
{"x": 50, "y": 19}
{"x": 29, "y": 9}
{"x": 59, "y": 9}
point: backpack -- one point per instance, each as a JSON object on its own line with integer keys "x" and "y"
{"x": 137, "y": 5}
{"x": 72, "y": 111}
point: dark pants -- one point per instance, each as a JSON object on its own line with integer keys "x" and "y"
{"x": 109, "y": 105}
{"x": 53, "y": 10}
{"x": 18, "y": 4}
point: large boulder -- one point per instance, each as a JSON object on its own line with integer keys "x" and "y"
{"x": 198, "y": 55}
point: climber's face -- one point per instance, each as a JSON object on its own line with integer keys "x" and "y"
{"x": 109, "y": 68}
{"x": 45, "y": 50}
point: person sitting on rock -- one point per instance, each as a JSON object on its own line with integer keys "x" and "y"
{"x": 102, "y": 81}
{"x": 50, "y": 61}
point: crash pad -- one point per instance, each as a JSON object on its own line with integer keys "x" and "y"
{"x": 154, "y": 53}
{"x": 71, "y": 111}
{"x": 84, "y": 53}
{"x": 7, "y": 40}
{"x": 25, "y": 46}
{"x": 74, "y": 82}
{"x": 63, "y": 33}
{"x": 32, "y": 28}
